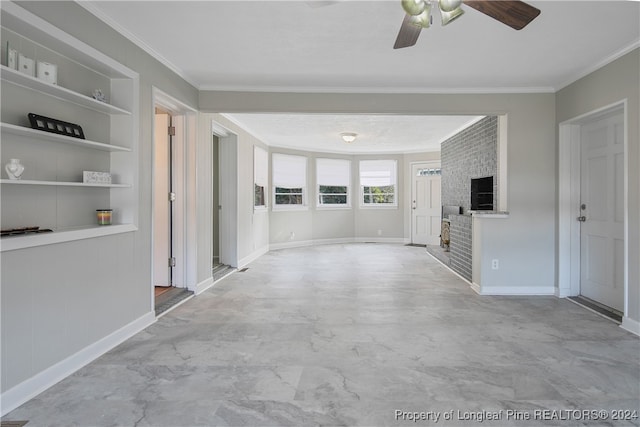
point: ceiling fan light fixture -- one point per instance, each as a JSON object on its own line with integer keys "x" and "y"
{"x": 449, "y": 17}
{"x": 414, "y": 7}
{"x": 424, "y": 19}
{"x": 449, "y": 5}
{"x": 348, "y": 137}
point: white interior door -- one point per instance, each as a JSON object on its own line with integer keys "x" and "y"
{"x": 425, "y": 204}
{"x": 161, "y": 204}
{"x": 602, "y": 211}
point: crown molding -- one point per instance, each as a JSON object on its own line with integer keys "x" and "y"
{"x": 98, "y": 13}
{"x": 378, "y": 90}
{"x": 595, "y": 67}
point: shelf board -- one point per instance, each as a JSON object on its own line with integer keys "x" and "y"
{"x": 21, "y": 79}
{"x": 60, "y": 183}
{"x": 39, "y": 135}
{"x": 12, "y": 243}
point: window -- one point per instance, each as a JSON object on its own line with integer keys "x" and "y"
{"x": 260, "y": 177}
{"x": 378, "y": 183}
{"x": 429, "y": 172}
{"x": 289, "y": 180}
{"x": 333, "y": 178}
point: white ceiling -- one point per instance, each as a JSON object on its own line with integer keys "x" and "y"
{"x": 376, "y": 133}
{"x": 346, "y": 46}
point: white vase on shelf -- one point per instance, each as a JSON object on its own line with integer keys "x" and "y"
{"x": 14, "y": 169}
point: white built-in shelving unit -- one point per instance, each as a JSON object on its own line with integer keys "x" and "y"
{"x": 51, "y": 193}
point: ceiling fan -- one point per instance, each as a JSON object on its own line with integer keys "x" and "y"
{"x": 514, "y": 13}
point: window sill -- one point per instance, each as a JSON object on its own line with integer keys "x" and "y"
{"x": 381, "y": 206}
{"x": 333, "y": 208}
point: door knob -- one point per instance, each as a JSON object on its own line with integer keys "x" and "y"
{"x": 582, "y": 218}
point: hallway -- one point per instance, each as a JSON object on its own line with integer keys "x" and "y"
{"x": 348, "y": 335}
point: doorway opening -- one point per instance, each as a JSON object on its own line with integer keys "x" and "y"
{"x": 218, "y": 268}
{"x": 215, "y": 175}
{"x": 167, "y": 291}
{"x": 593, "y": 250}
{"x": 173, "y": 180}
{"x": 224, "y": 190}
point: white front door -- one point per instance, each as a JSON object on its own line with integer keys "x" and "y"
{"x": 602, "y": 210}
{"x": 425, "y": 204}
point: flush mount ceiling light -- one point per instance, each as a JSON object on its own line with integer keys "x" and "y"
{"x": 348, "y": 137}
{"x": 514, "y": 13}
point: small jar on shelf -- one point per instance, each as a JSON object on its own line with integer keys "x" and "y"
{"x": 104, "y": 216}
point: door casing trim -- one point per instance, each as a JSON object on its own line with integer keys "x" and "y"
{"x": 569, "y": 163}
{"x": 184, "y": 185}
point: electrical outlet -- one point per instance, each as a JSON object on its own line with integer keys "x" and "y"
{"x": 379, "y": 232}
{"x": 494, "y": 264}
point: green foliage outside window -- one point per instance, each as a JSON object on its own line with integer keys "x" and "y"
{"x": 379, "y": 195}
{"x": 288, "y": 196}
{"x": 258, "y": 195}
{"x": 332, "y": 195}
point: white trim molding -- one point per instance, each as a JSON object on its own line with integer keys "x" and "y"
{"x": 98, "y": 13}
{"x": 630, "y": 325}
{"x": 391, "y": 240}
{"x": 516, "y": 290}
{"x": 203, "y": 286}
{"x": 38, "y": 383}
{"x": 252, "y": 256}
{"x": 343, "y": 240}
{"x": 568, "y": 243}
{"x": 304, "y": 243}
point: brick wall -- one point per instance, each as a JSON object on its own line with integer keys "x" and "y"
{"x": 471, "y": 153}
{"x": 460, "y": 245}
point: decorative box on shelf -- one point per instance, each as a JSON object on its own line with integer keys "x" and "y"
{"x": 90, "y": 177}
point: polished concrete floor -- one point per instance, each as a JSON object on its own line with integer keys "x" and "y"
{"x": 355, "y": 335}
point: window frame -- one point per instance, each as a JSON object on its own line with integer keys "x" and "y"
{"x": 394, "y": 184}
{"x": 288, "y": 207}
{"x": 319, "y": 194}
{"x": 264, "y": 156}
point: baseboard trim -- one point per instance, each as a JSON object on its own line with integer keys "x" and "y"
{"x": 400, "y": 240}
{"x": 339, "y": 241}
{"x": 630, "y": 325}
{"x": 304, "y": 243}
{"x": 476, "y": 288}
{"x": 203, "y": 286}
{"x": 30, "y": 388}
{"x": 518, "y": 290}
{"x": 252, "y": 257}
{"x": 289, "y": 245}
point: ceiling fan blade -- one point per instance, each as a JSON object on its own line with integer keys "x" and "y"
{"x": 408, "y": 35}
{"x": 514, "y": 13}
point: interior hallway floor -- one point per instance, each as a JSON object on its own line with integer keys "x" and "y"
{"x": 348, "y": 335}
